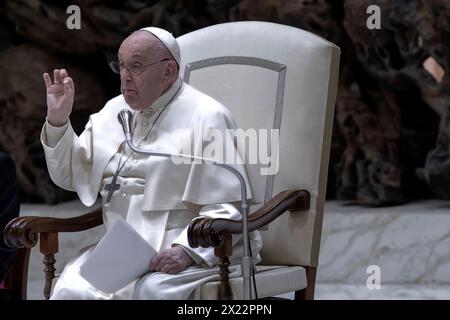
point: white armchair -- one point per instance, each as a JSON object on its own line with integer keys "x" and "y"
{"x": 272, "y": 76}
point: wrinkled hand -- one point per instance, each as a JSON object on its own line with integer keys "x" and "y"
{"x": 172, "y": 260}
{"x": 60, "y": 97}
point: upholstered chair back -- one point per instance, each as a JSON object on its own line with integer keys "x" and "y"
{"x": 283, "y": 79}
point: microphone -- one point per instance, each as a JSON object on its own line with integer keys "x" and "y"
{"x": 124, "y": 118}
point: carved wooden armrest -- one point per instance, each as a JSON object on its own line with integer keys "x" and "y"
{"x": 216, "y": 232}
{"x": 23, "y": 231}
{"x": 26, "y": 231}
{"x": 208, "y": 232}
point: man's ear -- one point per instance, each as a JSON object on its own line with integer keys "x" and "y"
{"x": 171, "y": 70}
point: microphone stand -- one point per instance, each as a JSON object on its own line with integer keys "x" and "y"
{"x": 124, "y": 118}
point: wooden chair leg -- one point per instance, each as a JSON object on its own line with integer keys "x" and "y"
{"x": 223, "y": 252}
{"x": 308, "y": 292}
{"x": 48, "y": 247}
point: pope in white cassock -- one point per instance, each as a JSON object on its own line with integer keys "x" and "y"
{"x": 155, "y": 195}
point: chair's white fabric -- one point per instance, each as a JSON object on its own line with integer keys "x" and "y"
{"x": 270, "y": 76}
{"x": 270, "y": 281}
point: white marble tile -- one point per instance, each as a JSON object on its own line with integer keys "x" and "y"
{"x": 335, "y": 291}
{"x": 387, "y": 292}
{"x": 410, "y": 243}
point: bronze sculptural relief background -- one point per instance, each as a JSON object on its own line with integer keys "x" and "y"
{"x": 392, "y": 126}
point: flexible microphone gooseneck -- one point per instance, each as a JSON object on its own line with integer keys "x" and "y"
{"x": 125, "y": 118}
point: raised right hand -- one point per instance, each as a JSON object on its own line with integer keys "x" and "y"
{"x": 60, "y": 97}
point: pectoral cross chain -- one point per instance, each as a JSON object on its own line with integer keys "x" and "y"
{"x": 114, "y": 186}
{"x": 111, "y": 187}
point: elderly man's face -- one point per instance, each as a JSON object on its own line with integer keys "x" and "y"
{"x": 144, "y": 74}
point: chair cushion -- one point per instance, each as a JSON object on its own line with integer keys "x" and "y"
{"x": 270, "y": 281}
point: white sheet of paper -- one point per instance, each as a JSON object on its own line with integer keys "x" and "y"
{"x": 119, "y": 258}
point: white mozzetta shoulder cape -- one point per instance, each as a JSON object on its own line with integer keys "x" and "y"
{"x": 77, "y": 163}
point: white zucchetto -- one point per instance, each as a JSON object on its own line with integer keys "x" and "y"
{"x": 168, "y": 40}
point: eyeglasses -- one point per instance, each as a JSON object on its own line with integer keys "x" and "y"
{"x": 135, "y": 68}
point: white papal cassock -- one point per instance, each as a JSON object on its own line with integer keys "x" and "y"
{"x": 157, "y": 197}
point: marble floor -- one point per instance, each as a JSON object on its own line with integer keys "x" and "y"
{"x": 410, "y": 244}
{"x": 386, "y": 292}
{"x": 335, "y": 291}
